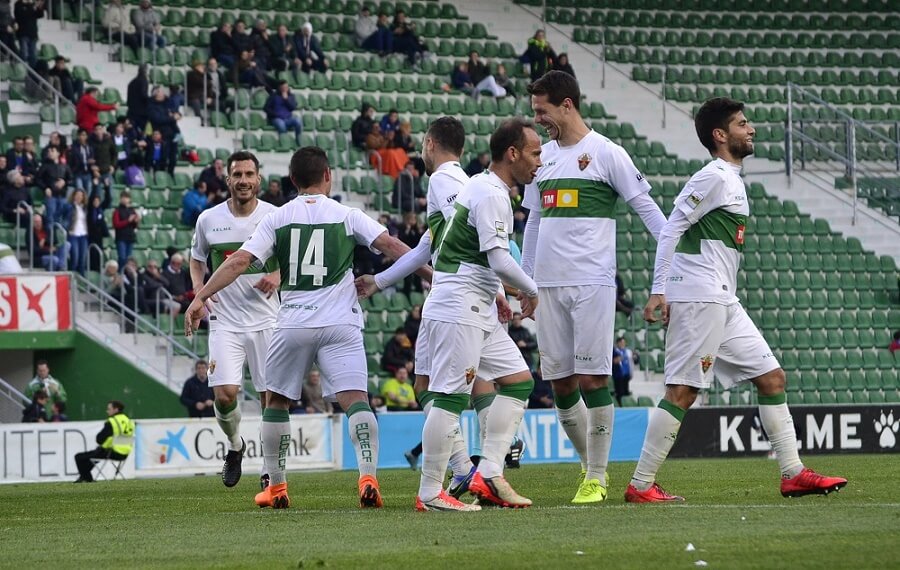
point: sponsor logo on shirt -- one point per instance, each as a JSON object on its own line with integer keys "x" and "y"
{"x": 694, "y": 200}
{"x": 640, "y": 176}
{"x": 221, "y": 229}
{"x": 583, "y": 161}
{"x": 739, "y": 236}
{"x": 561, "y": 198}
{"x": 501, "y": 229}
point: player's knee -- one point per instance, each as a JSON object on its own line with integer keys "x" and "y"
{"x": 682, "y": 396}
{"x": 771, "y": 383}
{"x": 564, "y": 386}
{"x": 225, "y": 399}
{"x": 591, "y": 382}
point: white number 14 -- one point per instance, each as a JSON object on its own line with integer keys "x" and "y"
{"x": 313, "y": 262}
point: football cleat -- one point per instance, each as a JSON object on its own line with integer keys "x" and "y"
{"x": 496, "y": 490}
{"x": 808, "y": 482}
{"x": 654, "y": 494}
{"x": 591, "y": 491}
{"x": 444, "y": 503}
{"x": 231, "y": 472}
{"x": 460, "y": 484}
{"x": 412, "y": 459}
{"x": 515, "y": 454}
{"x": 369, "y": 493}
{"x": 274, "y": 496}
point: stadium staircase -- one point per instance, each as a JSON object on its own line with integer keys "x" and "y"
{"x": 826, "y": 304}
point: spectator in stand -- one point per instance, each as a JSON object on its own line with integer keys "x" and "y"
{"x": 259, "y": 37}
{"x": 403, "y": 138}
{"x": 122, "y": 146}
{"x": 397, "y": 352}
{"x": 70, "y": 87}
{"x": 623, "y": 303}
{"x": 410, "y": 232}
{"x": 15, "y": 156}
{"x": 561, "y": 63}
{"x": 29, "y": 164}
{"x": 197, "y": 395}
{"x": 8, "y": 26}
{"x": 895, "y": 343}
{"x": 503, "y": 80}
{"x": 413, "y": 323}
{"x": 408, "y": 195}
{"x": 193, "y": 203}
{"x": 27, "y": 13}
{"x": 117, "y": 23}
{"x": 180, "y": 286}
{"x": 44, "y": 381}
{"x": 478, "y": 164}
{"x": 398, "y": 393}
{"x": 77, "y": 227}
{"x": 43, "y": 250}
{"x": 274, "y": 195}
{"x": 138, "y": 99}
{"x": 248, "y": 74}
{"x": 389, "y": 160}
{"x": 241, "y": 39}
{"x": 166, "y": 122}
{"x": 55, "y": 178}
{"x": 153, "y": 282}
{"x": 405, "y": 39}
{"x": 461, "y": 80}
{"x": 81, "y": 161}
{"x": 58, "y": 142}
{"x": 542, "y": 395}
{"x": 362, "y": 126}
{"x": 523, "y": 339}
{"x": 308, "y": 54}
{"x": 125, "y": 221}
{"x": 390, "y": 122}
{"x": 98, "y": 230}
{"x": 281, "y": 50}
{"x": 113, "y": 282}
{"x": 176, "y": 98}
{"x": 374, "y": 35}
{"x": 623, "y": 360}
{"x": 36, "y": 411}
{"x": 59, "y": 412}
{"x": 4, "y": 169}
{"x": 219, "y": 85}
{"x": 157, "y": 153}
{"x": 147, "y": 25}
{"x": 104, "y": 155}
{"x": 311, "y": 398}
{"x": 221, "y": 45}
{"x": 540, "y": 55}
{"x": 14, "y": 192}
{"x": 482, "y": 78}
{"x": 214, "y": 177}
{"x": 280, "y": 109}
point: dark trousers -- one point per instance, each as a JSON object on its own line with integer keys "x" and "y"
{"x": 620, "y": 383}
{"x": 85, "y": 466}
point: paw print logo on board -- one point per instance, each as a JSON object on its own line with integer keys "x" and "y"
{"x": 888, "y": 428}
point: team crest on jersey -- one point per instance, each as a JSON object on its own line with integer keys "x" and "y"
{"x": 706, "y": 362}
{"x": 470, "y": 374}
{"x": 583, "y": 161}
{"x": 212, "y": 366}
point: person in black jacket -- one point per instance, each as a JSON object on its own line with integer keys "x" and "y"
{"x": 13, "y": 192}
{"x": 107, "y": 447}
{"x": 259, "y": 38}
{"x": 166, "y": 122}
{"x": 240, "y": 38}
{"x": 221, "y": 45}
{"x": 7, "y": 25}
{"x": 197, "y": 395}
{"x": 125, "y": 222}
{"x": 98, "y": 229}
{"x": 138, "y": 98}
{"x": 523, "y": 339}
{"x": 281, "y": 50}
{"x": 362, "y": 126}
{"x": 397, "y": 352}
{"x": 69, "y": 86}
{"x": 54, "y": 178}
{"x": 562, "y": 64}
{"x": 27, "y": 13}
{"x": 36, "y": 411}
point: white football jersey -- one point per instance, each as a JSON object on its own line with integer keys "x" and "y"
{"x": 443, "y": 187}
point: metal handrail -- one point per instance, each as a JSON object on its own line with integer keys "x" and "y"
{"x": 12, "y": 394}
{"x": 58, "y": 97}
{"x": 30, "y": 236}
{"x": 100, "y": 253}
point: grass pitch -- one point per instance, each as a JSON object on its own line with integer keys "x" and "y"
{"x": 734, "y": 517}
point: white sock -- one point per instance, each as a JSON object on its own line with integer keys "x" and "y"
{"x": 460, "y": 463}
{"x": 779, "y": 425}
{"x": 502, "y": 424}
{"x": 574, "y": 421}
{"x": 481, "y": 425}
{"x": 662, "y": 429}
{"x": 599, "y": 440}
{"x": 230, "y": 422}
{"x": 363, "y": 428}
{"x": 440, "y": 431}
{"x": 276, "y": 438}
{"x": 263, "y": 469}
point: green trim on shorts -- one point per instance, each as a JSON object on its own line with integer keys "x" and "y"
{"x": 358, "y": 407}
{"x": 275, "y": 415}
{"x": 566, "y": 402}
{"x": 598, "y": 398}
{"x": 775, "y": 400}
{"x": 453, "y": 403}
{"x": 677, "y": 413}
{"x": 227, "y": 409}
{"x": 424, "y": 397}
{"x": 519, "y": 390}
{"x": 482, "y": 401}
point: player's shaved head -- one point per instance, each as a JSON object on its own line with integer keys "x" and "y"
{"x": 510, "y": 134}
{"x": 308, "y": 168}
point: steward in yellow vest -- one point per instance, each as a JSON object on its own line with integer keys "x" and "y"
{"x": 115, "y": 441}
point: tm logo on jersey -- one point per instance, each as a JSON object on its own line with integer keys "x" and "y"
{"x": 560, "y": 198}
{"x": 739, "y": 236}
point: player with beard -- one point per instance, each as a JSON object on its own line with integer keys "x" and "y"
{"x": 241, "y": 316}
{"x": 709, "y": 332}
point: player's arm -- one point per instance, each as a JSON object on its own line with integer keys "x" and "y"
{"x": 532, "y": 201}
{"x": 407, "y": 264}
{"x": 236, "y": 264}
{"x": 509, "y": 272}
{"x": 199, "y": 254}
{"x": 631, "y": 185}
{"x": 647, "y": 208}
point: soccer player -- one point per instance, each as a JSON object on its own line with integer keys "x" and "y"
{"x": 320, "y": 321}
{"x": 242, "y": 315}
{"x": 464, "y": 335}
{"x": 694, "y": 286}
{"x": 570, "y": 249}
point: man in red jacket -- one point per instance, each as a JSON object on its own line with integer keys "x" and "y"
{"x": 87, "y": 111}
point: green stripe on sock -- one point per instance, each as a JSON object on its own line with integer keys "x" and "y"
{"x": 482, "y": 401}
{"x": 358, "y": 407}
{"x": 677, "y": 413}
{"x": 226, "y": 409}
{"x": 566, "y": 402}
{"x": 598, "y": 398}
{"x": 519, "y": 390}
{"x": 453, "y": 403}
{"x": 775, "y": 400}
{"x": 424, "y": 397}
{"x": 274, "y": 415}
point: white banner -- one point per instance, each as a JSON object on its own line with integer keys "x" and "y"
{"x": 35, "y": 303}
{"x": 46, "y": 451}
{"x": 198, "y": 446}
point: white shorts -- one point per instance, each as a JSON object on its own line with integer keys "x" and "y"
{"x": 706, "y": 339}
{"x": 423, "y": 362}
{"x": 227, "y": 352}
{"x": 337, "y": 351}
{"x": 457, "y": 353}
{"x": 575, "y": 329}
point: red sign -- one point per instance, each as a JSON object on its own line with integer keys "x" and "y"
{"x": 35, "y": 303}
{"x": 739, "y": 237}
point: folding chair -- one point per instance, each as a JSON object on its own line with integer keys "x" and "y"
{"x": 117, "y": 464}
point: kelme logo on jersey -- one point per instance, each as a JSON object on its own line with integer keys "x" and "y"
{"x": 583, "y": 161}
{"x": 739, "y": 236}
{"x": 561, "y": 198}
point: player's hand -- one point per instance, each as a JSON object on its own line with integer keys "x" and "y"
{"x": 529, "y": 304}
{"x": 192, "y": 316}
{"x": 209, "y": 303}
{"x": 269, "y": 284}
{"x": 504, "y": 311}
{"x": 656, "y": 302}
{"x": 365, "y": 286}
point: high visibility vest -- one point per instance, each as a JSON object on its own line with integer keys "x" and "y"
{"x": 121, "y": 426}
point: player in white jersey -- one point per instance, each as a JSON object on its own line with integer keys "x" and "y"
{"x": 320, "y": 321}
{"x": 243, "y": 314}
{"x": 709, "y": 332}
{"x": 8, "y": 262}
{"x": 570, "y": 249}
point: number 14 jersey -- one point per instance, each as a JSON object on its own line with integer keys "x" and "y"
{"x": 314, "y": 237}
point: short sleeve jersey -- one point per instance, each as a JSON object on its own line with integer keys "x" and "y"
{"x": 218, "y": 234}
{"x": 443, "y": 187}
{"x": 706, "y": 260}
{"x": 313, "y": 238}
{"x": 576, "y": 191}
{"x": 464, "y": 285}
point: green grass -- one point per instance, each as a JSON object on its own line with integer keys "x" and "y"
{"x": 734, "y": 516}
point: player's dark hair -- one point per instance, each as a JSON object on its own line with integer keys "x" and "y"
{"x": 117, "y": 405}
{"x": 716, "y": 113}
{"x": 557, "y": 86}
{"x": 449, "y": 134}
{"x": 510, "y": 133}
{"x": 240, "y": 155}
{"x": 308, "y": 166}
